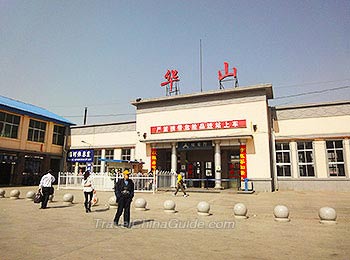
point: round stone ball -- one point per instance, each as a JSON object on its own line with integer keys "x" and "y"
{"x": 281, "y": 213}
{"x": 14, "y": 194}
{"x": 169, "y": 206}
{"x": 30, "y": 195}
{"x": 203, "y": 208}
{"x": 240, "y": 210}
{"x": 68, "y": 198}
{"x": 140, "y": 204}
{"x": 327, "y": 215}
{"x": 2, "y": 193}
{"x": 112, "y": 202}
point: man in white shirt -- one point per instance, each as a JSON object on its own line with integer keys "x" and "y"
{"x": 46, "y": 188}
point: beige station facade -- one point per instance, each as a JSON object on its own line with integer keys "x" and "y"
{"x": 219, "y": 137}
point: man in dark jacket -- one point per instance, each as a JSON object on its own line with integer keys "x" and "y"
{"x": 124, "y": 192}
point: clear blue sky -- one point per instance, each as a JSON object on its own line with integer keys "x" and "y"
{"x": 65, "y": 55}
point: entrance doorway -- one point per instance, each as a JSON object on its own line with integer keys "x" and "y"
{"x": 5, "y": 173}
{"x": 33, "y": 169}
{"x": 55, "y": 166}
{"x": 199, "y": 167}
{"x": 200, "y": 174}
{"x": 232, "y": 157}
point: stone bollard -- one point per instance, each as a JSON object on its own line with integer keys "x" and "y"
{"x": 112, "y": 202}
{"x": 68, "y": 199}
{"x": 30, "y": 195}
{"x": 281, "y": 213}
{"x": 14, "y": 194}
{"x": 2, "y": 193}
{"x": 140, "y": 204}
{"x": 203, "y": 208}
{"x": 327, "y": 215}
{"x": 169, "y": 206}
{"x": 240, "y": 211}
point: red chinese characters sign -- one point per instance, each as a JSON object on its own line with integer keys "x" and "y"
{"x": 171, "y": 77}
{"x": 226, "y": 73}
{"x": 243, "y": 160}
{"x": 153, "y": 158}
{"x": 229, "y": 124}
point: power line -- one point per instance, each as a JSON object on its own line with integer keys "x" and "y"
{"x": 91, "y": 105}
{"x": 311, "y": 83}
{"x": 107, "y": 115}
{"x": 312, "y": 92}
{"x": 276, "y": 98}
{"x": 120, "y": 103}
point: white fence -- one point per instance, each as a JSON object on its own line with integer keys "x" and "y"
{"x": 105, "y": 182}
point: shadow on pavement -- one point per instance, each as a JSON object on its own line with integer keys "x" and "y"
{"x": 101, "y": 210}
{"x": 59, "y": 207}
{"x": 140, "y": 222}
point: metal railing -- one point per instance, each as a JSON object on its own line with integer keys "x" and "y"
{"x": 164, "y": 179}
{"x": 149, "y": 183}
{"x": 105, "y": 182}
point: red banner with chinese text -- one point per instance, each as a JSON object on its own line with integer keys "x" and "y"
{"x": 229, "y": 124}
{"x": 243, "y": 160}
{"x": 153, "y": 158}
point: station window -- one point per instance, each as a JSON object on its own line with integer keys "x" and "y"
{"x": 126, "y": 154}
{"x": 335, "y": 152}
{"x": 305, "y": 159}
{"x": 36, "y": 131}
{"x": 283, "y": 165}
{"x": 9, "y": 125}
{"x": 97, "y": 162}
{"x": 58, "y": 135}
{"x": 109, "y": 154}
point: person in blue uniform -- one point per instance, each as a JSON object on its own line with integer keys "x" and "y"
{"x": 124, "y": 192}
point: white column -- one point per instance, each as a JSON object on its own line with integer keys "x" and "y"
{"x": 347, "y": 157}
{"x": 217, "y": 162}
{"x": 294, "y": 160}
{"x": 76, "y": 168}
{"x": 321, "y": 163}
{"x": 76, "y": 171}
{"x": 132, "y": 154}
{"x": 117, "y": 155}
{"x": 103, "y": 163}
{"x": 173, "y": 164}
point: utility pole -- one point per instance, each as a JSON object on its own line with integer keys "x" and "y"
{"x": 200, "y": 64}
{"x": 85, "y": 115}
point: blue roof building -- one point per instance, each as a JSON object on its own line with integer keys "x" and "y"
{"x": 32, "y": 141}
{"x": 31, "y": 110}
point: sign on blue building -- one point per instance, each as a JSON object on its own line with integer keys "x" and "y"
{"x": 80, "y": 155}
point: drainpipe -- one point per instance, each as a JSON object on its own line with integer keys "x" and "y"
{"x": 274, "y": 172}
{"x": 272, "y": 116}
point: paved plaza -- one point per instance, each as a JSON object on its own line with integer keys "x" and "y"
{"x": 67, "y": 232}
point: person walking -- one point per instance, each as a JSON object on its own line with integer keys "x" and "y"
{"x": 88, "y": 188}
{"x": 180, "y": 185}
{"x": 45, "y": 187}
{"x": 124, "y": 191}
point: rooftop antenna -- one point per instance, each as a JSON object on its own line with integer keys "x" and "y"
{"x": 201, "y": 64}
